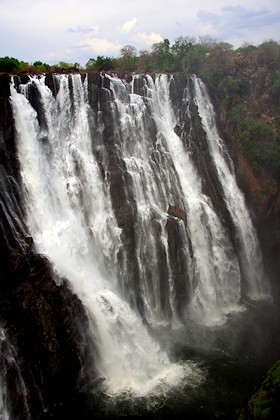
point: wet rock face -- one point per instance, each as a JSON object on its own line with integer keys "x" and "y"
{"x": 45, "y": 322}
{"x": 47, "y": 325}
{"x": 177, "y": 212}
{"x": 7, "y": 154}
{"x": 260, "y": 188}
{"x": 191, "y": 132}
{"x": 122, "y": 196}
{"x": 178, "y": 262}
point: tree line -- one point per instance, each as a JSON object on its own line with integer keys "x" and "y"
{"x": 186, "y": 54}
{"x": 231, "y": 76}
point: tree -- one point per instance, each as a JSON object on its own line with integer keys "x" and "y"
{"x": 100, "y": 63}
{"x": 128, "y": 51}
{"x": 275, "y": 88}
{"x": 145, "y": 60}
{"x": 160, "y": 48}
{"x": 128, "y": 59}
{"x": 182, "y": 45}
{"x": 269, "y": 54}
{"x": 68, "y": 66}
{"x": 41, "y": 66}
{"x": 207, "y": 41}
{"x": 162, "y": 57}
{"x": 90, "y": 64}
{"x": 11, "y": 64}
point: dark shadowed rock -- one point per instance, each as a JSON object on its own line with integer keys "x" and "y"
{"x": 45, "y": 321}
{"x": 177, "y": 212}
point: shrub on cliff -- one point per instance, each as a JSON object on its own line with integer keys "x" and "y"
{"x": 265, "y": 403}
{"x": 275, "y": 89}
{"x": 259, "y": 140}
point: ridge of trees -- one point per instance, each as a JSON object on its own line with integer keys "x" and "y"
{"x": 186, "y": 54}
{"x": 245, "y": 81}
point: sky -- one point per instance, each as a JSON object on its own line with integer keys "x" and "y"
{"x": 76, "y": 30}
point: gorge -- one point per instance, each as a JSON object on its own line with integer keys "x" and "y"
{"x": 133, "y": 280}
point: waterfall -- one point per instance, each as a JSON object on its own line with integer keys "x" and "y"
{"x": 70, "y": 218}
{"x": 256, "y": 285}
{"x": 147, "y": 164}
{"x": 11, "y": 380}
{"x": 185, "y": 268}
{"x": 4, "y": 404}
{"x": 217, "y": 275}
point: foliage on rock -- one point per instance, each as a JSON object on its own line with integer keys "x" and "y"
{"x": 265, "y": 403}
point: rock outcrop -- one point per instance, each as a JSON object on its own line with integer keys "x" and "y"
{"x": 44, "y": 320}
{"x": 261, "y": 187}
{"x": 177, "y": 212}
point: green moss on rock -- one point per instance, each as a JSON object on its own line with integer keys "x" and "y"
{"x": 265, "y": 403}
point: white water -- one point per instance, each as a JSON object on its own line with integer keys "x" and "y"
{"x": 71, "y": 219}
{"x": 151, "y": 194}
{"x": 257, "y": 285}
{"x": 4, "y": 404}
{"x": 214, "y": 270}
{"x": 9, "y": 367}
{"x": 217, "y": 277}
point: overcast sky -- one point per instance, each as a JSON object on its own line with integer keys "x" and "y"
{"x": 76, "y": 30}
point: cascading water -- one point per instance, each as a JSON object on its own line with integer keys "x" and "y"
{"x": 148, "y": 165}
{"x": 251, "y": 257}
{"x": 10, "y": 374}
{"x": 71, "y": 216}
{"x": 4, "y": 406}
{"x": 217, "y": 274}
{"x": 71, "y": 220}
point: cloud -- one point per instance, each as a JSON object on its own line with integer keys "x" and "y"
{"x": 128, "y": 26}
{"x": 100, "y": 46}
{"x": 53, "y": 57}
{"x": 84, "y": 29}
{"x": 68, "y": 30}
{"x": 251, "y": 19}
{"x": 236, "y": 21}
{"x": 149, "y": 39}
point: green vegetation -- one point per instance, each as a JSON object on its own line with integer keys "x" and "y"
{"x": 14, "y": 66}
{"x": 208, "y": 58}
{"x": 244, "y": 84}
{"x": 259, "y": 140}
{"x": 265, "y": 403}
{"x": 275, "y": 89}
{"x": 100, "y": 63}
{"x": 128, "y": 60}
{"x": 11, "y": 65}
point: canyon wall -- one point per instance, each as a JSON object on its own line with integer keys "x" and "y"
{"x": 47, "y": 322}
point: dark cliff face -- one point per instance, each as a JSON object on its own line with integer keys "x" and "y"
{"x": 44, "y": 321}
{"x": 194, "y": 137}
{"x": 260, "y": 187}
{"x": 246, "y": 90}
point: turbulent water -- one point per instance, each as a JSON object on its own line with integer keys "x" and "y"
{"x": 67, "y": 180}
{"x": 13, "y": 392}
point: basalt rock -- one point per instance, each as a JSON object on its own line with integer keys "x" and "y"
{"x": 47, "y": 325}
{"x": 260, "y": 188}
{"x": 178, "y": 260}
{"x": 177, "y": 212}
{"x": 45, "y": 321}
